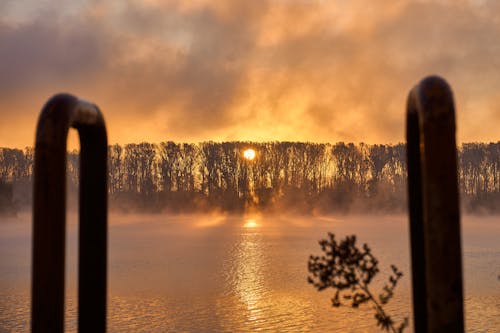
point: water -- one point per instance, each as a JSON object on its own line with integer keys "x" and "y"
{"x": 228, "y": 274}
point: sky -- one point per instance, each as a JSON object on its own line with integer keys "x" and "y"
{"x": 262, "y": 70}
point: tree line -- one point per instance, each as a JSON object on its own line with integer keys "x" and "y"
{"x": 294, "y": 177}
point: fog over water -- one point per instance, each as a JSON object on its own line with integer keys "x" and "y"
{"x": 225, "y": 273}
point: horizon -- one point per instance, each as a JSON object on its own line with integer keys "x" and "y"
{"x": 274, "y": 176}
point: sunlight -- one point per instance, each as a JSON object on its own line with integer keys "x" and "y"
{"x": 249, "y": 154}
{"x": 250, "y": 286}
{"x": 250, "y": 223}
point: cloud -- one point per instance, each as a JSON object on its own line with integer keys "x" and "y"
{"x": 261, "y": 70}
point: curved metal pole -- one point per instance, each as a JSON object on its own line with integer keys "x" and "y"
{"x": 49, "y": 217}
{"x": 434, "y": 208}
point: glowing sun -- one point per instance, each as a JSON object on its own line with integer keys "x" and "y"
{"x": 249, "y": 154}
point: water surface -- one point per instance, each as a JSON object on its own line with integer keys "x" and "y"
{"x": 241, "y": 274}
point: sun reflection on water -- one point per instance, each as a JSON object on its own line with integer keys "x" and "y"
{"x": 250, "y": 223}
{"x": 260, "y": 303}
{"x": 249, "y": 275}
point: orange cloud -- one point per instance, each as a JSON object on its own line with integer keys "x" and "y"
{"x": 250, "y": 70}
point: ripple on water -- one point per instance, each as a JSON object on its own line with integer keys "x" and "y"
{"x": 283, "y": 313}
{"x": 255, "y": 280}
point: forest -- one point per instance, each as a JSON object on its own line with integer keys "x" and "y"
{"x": 284, "y": 177}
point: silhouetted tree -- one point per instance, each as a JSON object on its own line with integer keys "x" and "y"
{"x": 302, "y": 175}
{"x": 349, "y": 271}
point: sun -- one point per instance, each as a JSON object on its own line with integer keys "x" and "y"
{"x": 249, "y": 154}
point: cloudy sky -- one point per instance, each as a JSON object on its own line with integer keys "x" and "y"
{"x": 315, "y": 70}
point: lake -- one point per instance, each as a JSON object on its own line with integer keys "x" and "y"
{"x": 241, "y": 274}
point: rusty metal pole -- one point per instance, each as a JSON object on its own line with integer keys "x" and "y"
{"x": 49, "y": 217}
{"x": 434, "y": 209}
{"x": 416, "y": 218}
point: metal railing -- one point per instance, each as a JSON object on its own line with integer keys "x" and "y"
{"x": 49, "y": 217}
{"x": 434, "y": 208}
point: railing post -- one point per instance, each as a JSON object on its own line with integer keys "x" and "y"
{"x": 434, "y": 209}
{"x": 49, "y": 217}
